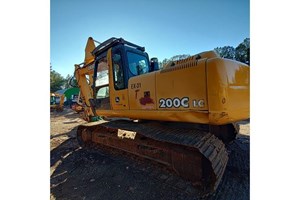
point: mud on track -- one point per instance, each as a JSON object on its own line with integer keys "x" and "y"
{"x": 78, "y": 173}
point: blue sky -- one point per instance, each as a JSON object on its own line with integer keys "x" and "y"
{"x": 164, "y": 28}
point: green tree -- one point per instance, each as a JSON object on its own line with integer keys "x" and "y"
{"x": 173, "y": 58}
{"x": 242, "y": 51}
{"x": 163, "y": 63}
{"x": 179, "y": 57}
{"x": 67, "y": 85}
{"x": 226, "y": 52}
{"x": 57, "y": 81}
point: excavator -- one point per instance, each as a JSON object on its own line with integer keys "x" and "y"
{"x": 59, "y": 107}
{"x": 181, "y": 116}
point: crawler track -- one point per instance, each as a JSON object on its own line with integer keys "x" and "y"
{"x": 195, "y": 155}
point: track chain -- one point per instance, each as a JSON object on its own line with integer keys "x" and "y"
{"x": 206, "y": 143}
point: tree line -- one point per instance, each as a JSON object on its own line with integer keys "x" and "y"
{"x": 57, "y": 81}
{"x": 240, "y": 53}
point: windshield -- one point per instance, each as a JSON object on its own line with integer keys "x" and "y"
{"x": 138, "y": 64}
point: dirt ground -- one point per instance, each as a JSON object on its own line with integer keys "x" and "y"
{"x": 77, "y": 173}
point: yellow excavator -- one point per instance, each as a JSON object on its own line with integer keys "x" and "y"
{"x": 59, "y": 107}
{"x": 181, "y": 115}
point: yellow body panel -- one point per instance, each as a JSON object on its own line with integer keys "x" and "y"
{"x": 155, "y": 91}
{"x": 119, "y": 99}
{"x": 142, "y": 92}
{"x": 182, "y": 87}
{"x": 228, "y": 90}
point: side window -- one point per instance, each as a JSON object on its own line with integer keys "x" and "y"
{"x": 103, "y": 92}
{"x": 118, "y": 71}
{"x": 137, "y": 64}
{"x": 102, "y": 72}
{"x": 102, "y": 98}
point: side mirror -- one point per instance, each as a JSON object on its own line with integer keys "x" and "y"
{"x": 154, "y": 64}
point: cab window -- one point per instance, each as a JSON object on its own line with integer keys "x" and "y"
{"x": 102, "y": 72}
{"x": 138, "y": 64}
{"x": 118, "y": 72}
{"x": 102, "y": 98}
{"x": 103, "y": 92}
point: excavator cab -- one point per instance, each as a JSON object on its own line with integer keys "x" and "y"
{"x": 126, "y": 59}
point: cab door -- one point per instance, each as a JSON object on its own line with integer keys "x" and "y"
{"x": 118, "y": 86}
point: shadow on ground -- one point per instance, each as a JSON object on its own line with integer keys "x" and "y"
{"x": 102, "y": 174}
{"x": 67, "y": 113}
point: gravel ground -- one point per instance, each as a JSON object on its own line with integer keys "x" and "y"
{"x": 78, "y": 173}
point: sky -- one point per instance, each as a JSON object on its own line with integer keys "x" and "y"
{"x": 165, "y": 28}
